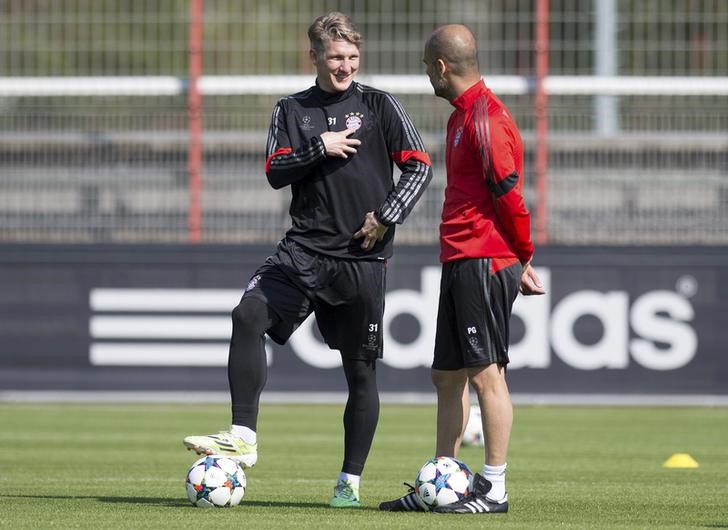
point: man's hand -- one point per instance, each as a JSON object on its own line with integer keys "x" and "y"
{"x": 372, "y": 231}
{"x": 337, "y": 144}
{"x": 530, "y": 282}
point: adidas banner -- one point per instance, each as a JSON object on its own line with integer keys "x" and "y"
{"x": 125, "y": 317}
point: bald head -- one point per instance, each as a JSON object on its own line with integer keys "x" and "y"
{"x": 456, "y": 45}
{"x": 451, "y": 58}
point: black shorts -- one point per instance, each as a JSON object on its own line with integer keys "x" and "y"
{"x": 473, "y": 317}
{"x": 347, "y": 297}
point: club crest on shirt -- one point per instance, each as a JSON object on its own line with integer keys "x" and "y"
{"x": 458, "y": 134}
{"x": 253, "y": 282}
{"x": 306, "y": 123}
{"x": 353, "y": 120}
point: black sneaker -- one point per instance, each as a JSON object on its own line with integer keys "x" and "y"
{"x": 407, "y": 503}
{"x": 476, "y": 502}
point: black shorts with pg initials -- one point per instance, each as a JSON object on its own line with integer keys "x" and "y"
{"x": 473, "y": 317}
{"x": 347, "y": 297}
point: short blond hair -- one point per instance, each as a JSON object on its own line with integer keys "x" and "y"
{"x": 333, "y": 26}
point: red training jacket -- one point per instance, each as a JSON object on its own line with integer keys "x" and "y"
{"x": 484, "y": 214}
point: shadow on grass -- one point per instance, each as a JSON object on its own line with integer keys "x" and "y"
{"x": 160, "y": 501}
{"x": 178, "y": 503}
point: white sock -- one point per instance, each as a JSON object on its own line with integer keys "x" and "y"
{"x": 247, "y": 434}
{"x": 496, "y": 475}
{"x": 353, "y": 479}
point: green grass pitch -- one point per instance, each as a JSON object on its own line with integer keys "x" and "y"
{"x": 123, "y": 466}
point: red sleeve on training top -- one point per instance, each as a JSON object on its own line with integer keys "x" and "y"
{"x": 400, "y": 157}
{"x": 501, "y": 151}
{"x": 279, "y": 151}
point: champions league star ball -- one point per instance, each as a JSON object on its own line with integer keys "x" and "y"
{"x": 215, "y": 481}
{"x": 473, "y": 434}
{"x": 443, "y": 480}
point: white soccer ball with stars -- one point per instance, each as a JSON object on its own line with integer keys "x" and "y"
{"x": 473, "y": 434}
{"x": 443, "y": 480}
{"x": 215, "y": 481}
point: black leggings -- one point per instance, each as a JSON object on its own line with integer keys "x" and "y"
{"x": 361, "y": 414}
{"x": 248, "y": 372}
{"x": 247, "y": 361}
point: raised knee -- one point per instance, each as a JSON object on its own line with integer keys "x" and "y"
{"x": 238, "y": 315}
{"x": 250, "y": 315}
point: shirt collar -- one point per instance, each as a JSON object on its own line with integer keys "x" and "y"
{"x": 333, "y": 97}
{"x": 466, "y": 99}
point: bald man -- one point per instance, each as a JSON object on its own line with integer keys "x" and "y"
{"x": 486, "y": 252}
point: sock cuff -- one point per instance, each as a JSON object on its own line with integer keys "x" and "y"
{"x": 494, "y": 470}
{"x": 351, "y": 479}
{"x": 246, "y": 433}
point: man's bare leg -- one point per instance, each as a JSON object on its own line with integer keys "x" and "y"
{"x": 451, "y": 388}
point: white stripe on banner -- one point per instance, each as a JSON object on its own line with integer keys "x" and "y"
{"x": 158, "y": 327}
{"x": 176, "y": 300}
{"x": 169, "y": 354}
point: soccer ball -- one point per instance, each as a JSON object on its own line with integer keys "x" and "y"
{"x": 215, "y": 480}
{"x": 473, "y": 434}
{"x": 443, "y": 480}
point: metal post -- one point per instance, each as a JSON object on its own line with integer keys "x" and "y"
{"x": 542, "y": 120}
{"x": 605, "y": 64}
{"x": 194, "y": 113}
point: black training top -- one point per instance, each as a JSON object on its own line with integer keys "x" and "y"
{"x": 331, "y": 196}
